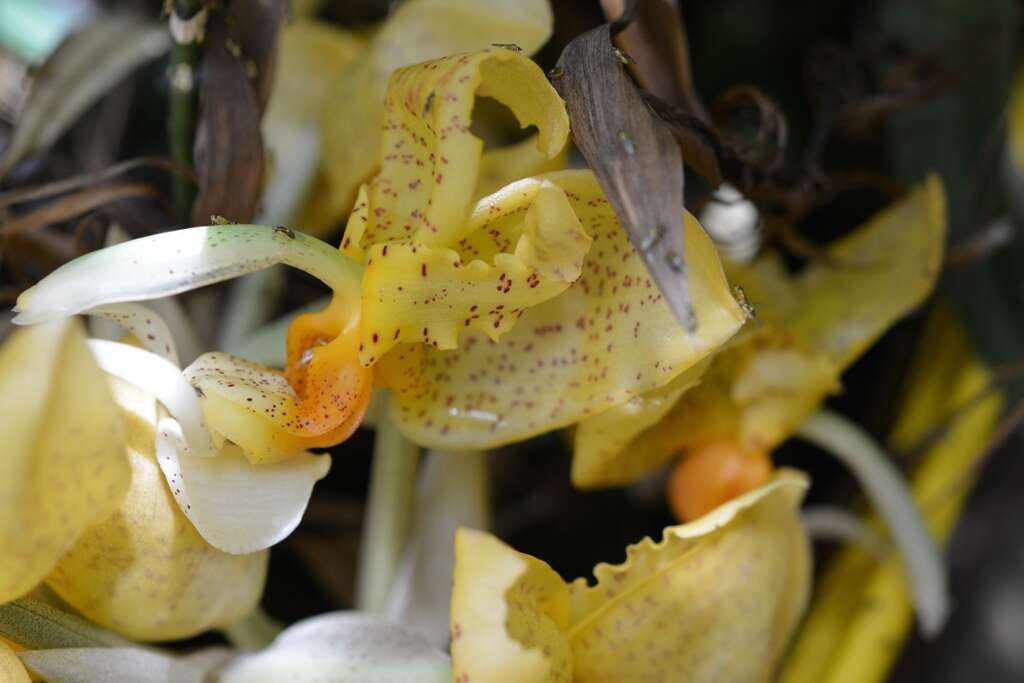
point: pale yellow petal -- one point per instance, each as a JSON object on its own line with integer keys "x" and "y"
{"x": 63, "y": 466}
{"x": 503, "y": 165}
{"x": 509, "y": 615}
{"x": 416, "y": 293}
{"x": 11, "y": 670}
{"x": 607, "y": 338}
{"x": 602, "y": 456}
{"x": 417, "y": 31}
{"x": 885, "y": 269}
{"x": 144, "y": 571}
{"x": 716, "y": 599}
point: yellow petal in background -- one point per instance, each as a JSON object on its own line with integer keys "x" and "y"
{"x": 607, "y": 338}
{"x": 716, "y": 599}
{"x": 417, "y": 31}
{"x": 63, "y": 466}
{"x": 862, "y": 610}
{"x": 886, "y": 268}
{"x": 11, "y": 670}
{"x": 510, "y": 614}
{"x": 602, "y": 442}
{"x": 145, "y": 572}
{"x": 417, "y": 293}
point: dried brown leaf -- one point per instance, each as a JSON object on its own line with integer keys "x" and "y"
{"x": 75, "y": 205}
{"x": 236, "y": 80}
{"x": 656, "y": 41}
{"x": 634, "y": 156}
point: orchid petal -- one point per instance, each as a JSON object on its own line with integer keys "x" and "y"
{"x": 601, "y": 441}
{"x": 500, "y": 166}
{"x": 163, "y": 379}
{"x": 416, "y": 293}
{"x": 417, "y": 31}
{"x": 343, "y": 647}
{"x": 740, "y": 574}
{"x": 429, "y": 158}
{"x": 179, "y": 261}
{"x": 882, "y": 271}
{"x": 145, "y": 571}
{"x": 144, "y": 324}
{"x": 607, "y": 338}
{"x": 257, "y": 409}
{"x": 235, "y": 506}
{"x": 510, "y": 613}
{"x": 63, "y": 467}
{"x": 11, "y": 669}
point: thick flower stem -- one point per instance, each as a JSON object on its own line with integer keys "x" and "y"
{"x": 386, "y": 527}
{"x": 187, "y": 17}
{"x": 895, "y": 504}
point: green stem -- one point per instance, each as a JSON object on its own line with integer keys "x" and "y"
{"x": 387, "y": 514}
{"x": 184, "y": 106}
{"x": 254, "y": 632}
{"x": 892, "y": 500}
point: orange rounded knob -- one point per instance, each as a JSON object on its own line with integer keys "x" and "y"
{"x": 707, "y": 477}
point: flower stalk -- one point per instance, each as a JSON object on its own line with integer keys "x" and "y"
{"x": 388, "y": 510}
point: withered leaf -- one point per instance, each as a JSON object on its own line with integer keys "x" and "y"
{"x": 75, "y": 204}
{"x": 86, "y": 65}
{"x": 656, "y": 41}
{"x": 236, "y": 77}
{"x": 634, "y": 156}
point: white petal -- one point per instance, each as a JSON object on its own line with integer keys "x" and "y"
{"x": 146, "y": 325}
{"x": 164, "y": 380}
{"x": 179, "y": 261}
{"x": 110, "y": 665}
{"x": 236, "y": 506}
{"x": 343, "y": 647}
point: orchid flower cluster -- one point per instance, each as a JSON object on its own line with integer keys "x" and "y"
{"x": 146, "y": 495}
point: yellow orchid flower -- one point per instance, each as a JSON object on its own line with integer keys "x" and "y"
{"x": 86, "y": 508}
{"x": 760, "y": 389}
{"x": 11, "y": 669}
{"x": 469, "y": 313}
{"x": 466, "y": 312}
{"x": 716, "y": 599}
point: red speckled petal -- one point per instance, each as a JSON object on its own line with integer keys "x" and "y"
{"x": 607, "y": 338}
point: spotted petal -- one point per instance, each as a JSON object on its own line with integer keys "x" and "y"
{"x": 63, "y": 467}
{"x": 145, "y": 571}
{"x": 740, "y": 574}
{"x": 761, "y": 388}
{"x": 607, "y": 338}
{"x": 418, "y": 30}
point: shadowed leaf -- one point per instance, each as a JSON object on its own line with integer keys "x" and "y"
{"x": 79, "y": 73}
{"x": 235, "y": 86}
